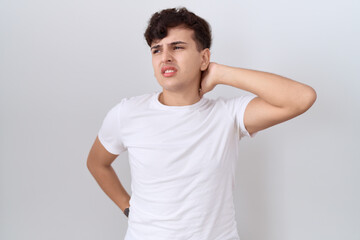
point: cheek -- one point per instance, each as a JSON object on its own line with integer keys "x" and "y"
{"x": 194, "y": 64}
{"x": 154, "y": 67}
{"x": 156, "y": 70}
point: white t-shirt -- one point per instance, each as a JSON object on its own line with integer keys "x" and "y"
{"x": 182, "y": 163}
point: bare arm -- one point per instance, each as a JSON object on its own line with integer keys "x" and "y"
{"x": 279, "y": 98}
{"x": 99, "y": 164}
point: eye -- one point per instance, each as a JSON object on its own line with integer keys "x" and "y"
{"x": 177, "y": 47}
{"x": 155, "y": 51}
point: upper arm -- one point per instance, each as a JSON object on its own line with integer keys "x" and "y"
{"x": 260, "y": 115}
{"x": 98, "y": 155}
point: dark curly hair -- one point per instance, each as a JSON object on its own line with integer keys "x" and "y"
{"x": 173, "y": 17}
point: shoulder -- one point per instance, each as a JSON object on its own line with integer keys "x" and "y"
{"x": 126, "y": 107}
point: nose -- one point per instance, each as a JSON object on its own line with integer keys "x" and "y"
{"x": 167, "y": 56}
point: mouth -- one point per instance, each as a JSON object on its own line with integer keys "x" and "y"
{"x": 168, "y": 71}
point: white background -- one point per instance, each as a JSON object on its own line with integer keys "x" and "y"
{"x": 64, "y": 64}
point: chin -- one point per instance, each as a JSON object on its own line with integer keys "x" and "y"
{"x": 170, "y": 85}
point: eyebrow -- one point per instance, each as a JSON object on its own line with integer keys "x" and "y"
{"x": 172, "y": 44}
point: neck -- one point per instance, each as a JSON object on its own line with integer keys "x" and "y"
{"x": 179, "y": 99}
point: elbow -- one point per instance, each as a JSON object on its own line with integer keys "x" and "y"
{"x": 93, "y": 168}
{"x": 91, "y": 164}
{"x": 307, "y": 99}
{"x": 310, "y": 97}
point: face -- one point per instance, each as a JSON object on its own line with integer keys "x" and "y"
{"x": 176, "y": 61}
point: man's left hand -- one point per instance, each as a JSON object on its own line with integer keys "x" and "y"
{"x": 209, "y": 78}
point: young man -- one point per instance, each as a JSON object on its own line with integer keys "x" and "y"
{"x": 182, "y": 146}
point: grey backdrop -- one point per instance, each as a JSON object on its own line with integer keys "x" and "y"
{"x": 64, "y": 64}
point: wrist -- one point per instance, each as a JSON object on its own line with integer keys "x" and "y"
{"x": 220, "y": 73}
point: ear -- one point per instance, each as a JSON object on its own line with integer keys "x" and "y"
{"x": 205, "y": 59}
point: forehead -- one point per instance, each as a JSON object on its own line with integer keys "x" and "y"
{"x": 176, "y": 34}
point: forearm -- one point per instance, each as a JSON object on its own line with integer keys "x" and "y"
{"x": 111, "y": 185}
{"x": 274, "y": 89}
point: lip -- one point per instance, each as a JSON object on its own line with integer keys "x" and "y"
{"x": 169, "y": 74}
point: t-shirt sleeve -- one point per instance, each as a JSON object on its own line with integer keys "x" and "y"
{"x": 237, "y": 106}
{"x": 110, "y": 134}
